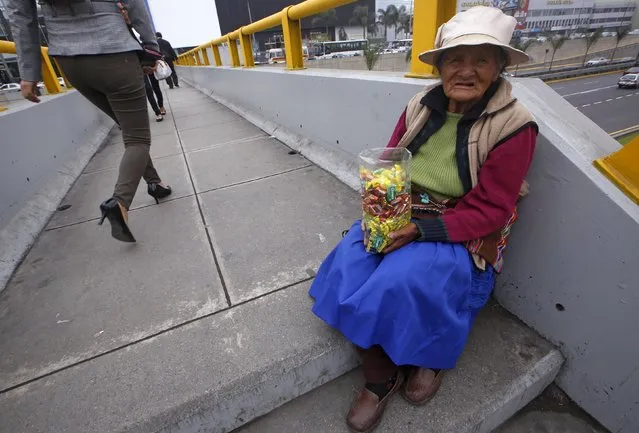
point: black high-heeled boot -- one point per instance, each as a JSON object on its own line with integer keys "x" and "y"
{"x": 112, "y": 210}
{"x": 157, "y": 191}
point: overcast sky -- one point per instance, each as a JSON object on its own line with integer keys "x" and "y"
{"x": 185, "y": 22}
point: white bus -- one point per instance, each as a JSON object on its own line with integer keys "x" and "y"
{"x": 400, "y": 45}
{"x": 333, "y": 49}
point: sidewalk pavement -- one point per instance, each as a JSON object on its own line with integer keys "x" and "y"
{"x": 247, "y": 219}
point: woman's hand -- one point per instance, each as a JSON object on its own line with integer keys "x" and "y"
{"x": 148, "y": 70}
{"x": 28, "y": 90}
{"x": 402, "y": 237}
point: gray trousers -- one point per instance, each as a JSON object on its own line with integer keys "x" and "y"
{"x": 115, "y": 84}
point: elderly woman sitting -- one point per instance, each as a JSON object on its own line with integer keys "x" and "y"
{"x": 472, "y": 144}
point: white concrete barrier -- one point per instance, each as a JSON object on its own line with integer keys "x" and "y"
{"x": 571, "y": 268}
{"x": 44, "y": 149}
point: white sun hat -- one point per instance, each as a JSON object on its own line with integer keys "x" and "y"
{"x": 478, "y": 25}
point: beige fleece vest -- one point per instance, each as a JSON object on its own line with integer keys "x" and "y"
{"x": 503, "y": 116}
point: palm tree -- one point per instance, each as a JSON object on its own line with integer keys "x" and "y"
{"x": 404, "y": 20}
{"x": 622, "y": 32}
{"x": 591, "y": 39}
{"x": 360, "y": 18}
{"x": 556, "y": 42}
{"x": 522, "y": 46}
{"x": 388, "y": 17}
{"x": 326, "y": 19}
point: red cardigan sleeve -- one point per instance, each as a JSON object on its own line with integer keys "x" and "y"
{"x": 398, "y": 133}
{"x": 488, "y": 206}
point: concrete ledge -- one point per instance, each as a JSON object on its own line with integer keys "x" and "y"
{"x": 505, "y": 366}
{"x": 45, "y": 148}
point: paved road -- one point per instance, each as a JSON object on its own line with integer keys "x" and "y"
{"x": 598, "y": 97}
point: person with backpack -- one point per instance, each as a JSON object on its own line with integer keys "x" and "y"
{"x": 95, "y": 47}
{"x": 169, "y": 57}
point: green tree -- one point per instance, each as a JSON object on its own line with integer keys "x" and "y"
{"x": 325, "y": 19}
{"x": 360, "y": 18}
{"x": 555, "y": 42}
{"x": 342, "y": 34}
{"x": 522, "y": 46}
{"x": 591, "y": 39}
{"x": 622, "y": 32}
{"x": 388, "y": 17}
{"x": 371, "y": 55}
{"x": 404, "y": 21}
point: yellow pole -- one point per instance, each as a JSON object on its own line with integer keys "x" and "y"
{"x": 247, "y": 49}
{"x": 205, "y": 55}
{"x": 235, "y": 56}
{"x": 49, "y": 77}
{"x": 216, "y": 55}
{"x": 622, "y": 168}
{"x": 198, "y": 61}
{"x": 67, "y": 83}
{"x": 292, "y": 30}
{"x": 428, "y": 16}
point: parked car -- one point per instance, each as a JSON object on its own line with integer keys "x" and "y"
{"x": 598, "y": 61}
{"x": 628, "y": 80}
{"x": 10, "y": 87}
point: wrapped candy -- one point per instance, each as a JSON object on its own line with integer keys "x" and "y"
{"x": 386, "y": 198}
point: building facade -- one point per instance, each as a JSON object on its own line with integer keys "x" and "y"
{"x": 562, "y": 16}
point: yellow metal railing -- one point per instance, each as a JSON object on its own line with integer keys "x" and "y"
{"x": 49, "y": 76}
{"x": 289, "y": 18}
{"x": 622, "y": 168}
{"x": 429, "y": 14}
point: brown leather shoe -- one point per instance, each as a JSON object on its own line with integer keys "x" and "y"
{"x": 367, "y": 410}
{"x": 422, "y": 385}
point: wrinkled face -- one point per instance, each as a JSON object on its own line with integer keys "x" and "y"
{"x": 468, "y": 71}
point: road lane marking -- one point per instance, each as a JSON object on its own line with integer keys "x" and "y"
{"x": 585, "y": 105}
{"x": 598, "y": 102}
{"x": 581, "y": 77}
{"x": 619, "y": 97}
{"x": 621, "y": 131}
{"x": 588, "y": 91}
{"x": 608, "y": 100}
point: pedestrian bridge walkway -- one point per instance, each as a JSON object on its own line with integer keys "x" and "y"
{"x": 204, "y": 324}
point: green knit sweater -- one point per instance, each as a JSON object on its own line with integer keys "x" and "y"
{"x": 434, "y": 166}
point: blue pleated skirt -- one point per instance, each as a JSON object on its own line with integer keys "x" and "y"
{"x": 417, "y": 302}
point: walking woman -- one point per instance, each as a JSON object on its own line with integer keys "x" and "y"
{"x": 92, "y": 42}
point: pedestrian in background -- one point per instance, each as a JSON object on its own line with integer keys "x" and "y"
{"x": 94, "y": 46}
{"x": 169, "y": 57}
{"x": 152, "y": 86}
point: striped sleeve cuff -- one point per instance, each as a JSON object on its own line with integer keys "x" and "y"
{"x": 431, "y": 230}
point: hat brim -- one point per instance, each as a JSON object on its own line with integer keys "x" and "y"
{"x": 514, "y": 56}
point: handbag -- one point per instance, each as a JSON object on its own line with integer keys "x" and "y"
{"x": 162, "y": 70}
{"x": 147, "y": 56}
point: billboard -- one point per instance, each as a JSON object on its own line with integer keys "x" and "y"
{"x": 515, "y": 8}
